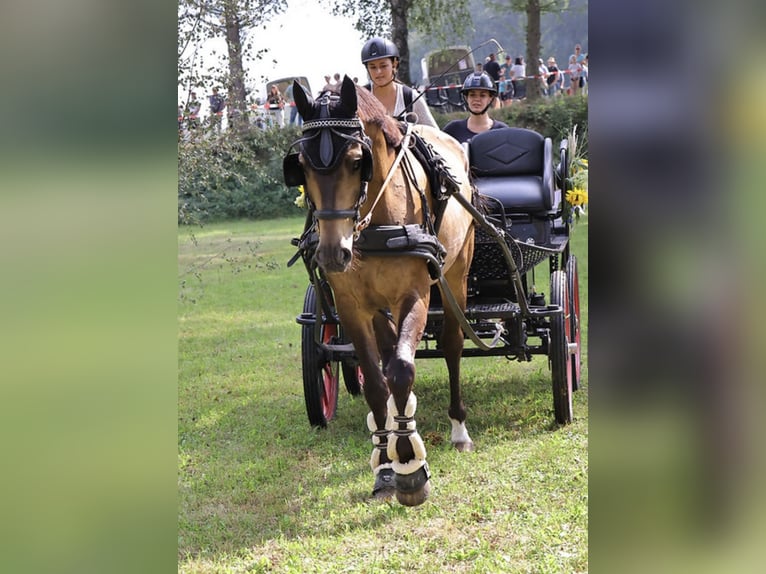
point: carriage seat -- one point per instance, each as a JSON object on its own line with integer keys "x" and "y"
{"x": 515, "y": 166}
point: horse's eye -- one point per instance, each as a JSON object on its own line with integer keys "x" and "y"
{"x": 357, "y": 164}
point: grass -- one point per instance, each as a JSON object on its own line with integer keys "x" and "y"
{"x": 259, "y": 490}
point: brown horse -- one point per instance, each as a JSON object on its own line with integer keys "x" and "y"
{"x": 382, "y": 301}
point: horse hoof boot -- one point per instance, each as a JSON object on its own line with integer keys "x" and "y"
{"x": 413, "y": 489}
{"x": 384, "y": 487}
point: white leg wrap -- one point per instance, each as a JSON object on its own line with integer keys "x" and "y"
{"x": 407, "y": 467}
{"x": 375, "y": 462}
{"x": 376, "y": 451}
{"x": 418, "y": 447}
{"x": 459, "y": 432}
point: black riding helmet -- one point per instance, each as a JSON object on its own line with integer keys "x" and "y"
{"x": 479, "y": 81}
{"x": 376, "y": 48}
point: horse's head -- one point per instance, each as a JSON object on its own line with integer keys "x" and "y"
{"x": 334, "y": 165}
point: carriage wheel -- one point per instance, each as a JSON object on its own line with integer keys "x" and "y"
{"x": 353, "y": 377}
{"x": 558, "y": 350}
{"x": 573, "y": 289}
{"x": 320, "y": 376}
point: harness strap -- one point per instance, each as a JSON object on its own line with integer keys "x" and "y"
{"x": 361, "y": 225}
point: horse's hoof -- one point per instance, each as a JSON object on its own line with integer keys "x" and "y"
{"x": 463, "y": 446}
{"x": 414, "y": 498}
{"x": 413, "y": 489}
{"x": 385, "y": 485}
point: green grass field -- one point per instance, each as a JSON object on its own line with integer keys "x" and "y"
{"x": 259, "y": 490}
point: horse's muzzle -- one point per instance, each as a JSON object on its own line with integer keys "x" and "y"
{"x": 334, "y": 259}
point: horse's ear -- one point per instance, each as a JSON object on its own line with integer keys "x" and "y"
{"x": 303, "y": 100}
{"x": 348, "y": 96}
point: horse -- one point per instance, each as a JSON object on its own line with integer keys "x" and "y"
{"x": 358, "y": 170}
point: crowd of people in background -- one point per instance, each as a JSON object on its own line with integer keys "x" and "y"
{"x": 510, "y": 80}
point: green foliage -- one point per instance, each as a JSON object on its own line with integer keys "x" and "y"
{"x": 235, "y": 176}
{"x": 200, "y": 21}
{"x": 553, "y": 118}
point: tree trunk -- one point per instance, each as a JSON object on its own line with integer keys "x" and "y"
{"x": 237, "y": 94}
{"x": 399, "y": 36}
{"x": 533, "y": 49}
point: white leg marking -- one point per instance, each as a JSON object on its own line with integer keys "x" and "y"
{"x": 459, "y": 432}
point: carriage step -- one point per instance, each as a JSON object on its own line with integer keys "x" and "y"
{"x": 492, "y": 309}
{"x": 500, "y": 310}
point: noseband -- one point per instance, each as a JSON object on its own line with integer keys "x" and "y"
{"x": 324, "y": 143}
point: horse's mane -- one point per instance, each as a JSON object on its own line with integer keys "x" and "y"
{"x": 371, "y": 111}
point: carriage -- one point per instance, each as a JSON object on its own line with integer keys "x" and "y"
{"x": 442, "y": 249}
{"x": 524, "y": 224}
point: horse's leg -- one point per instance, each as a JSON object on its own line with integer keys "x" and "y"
{"x": 370, "y": 341}
{"x": 452, "y": 340}
{"x": 405, "y": 446}
{"x": 376, "y": 395}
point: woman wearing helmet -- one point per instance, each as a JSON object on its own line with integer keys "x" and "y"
{"x": 381, "y": 58}
{"x": 479, "y": 94}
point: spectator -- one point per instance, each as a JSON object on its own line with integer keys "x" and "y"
{"x": 542, "y": 71}
{"x": 216, "y": 110}
{"x": 328, "y": 85}
{"x": 381, "y": 58}
{"x": 295, "y": 117}
{"x": 579, "y": 56}
{"x": 518, "y": 78}
{"x": 492, "y": 68}
{"x": 506, "y": 94}
{"x": 575, "y": 72}
{"x": 554, "y": 77}
{"x": 192, "y": 112}
{"x": 479, "y": 92}
{"x": 276, "y": 106}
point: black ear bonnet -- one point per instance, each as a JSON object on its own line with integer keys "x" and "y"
{"x": 325, "y": 142}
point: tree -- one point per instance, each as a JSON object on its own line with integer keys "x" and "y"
{"x": 398, "y": 18}
{"x": 231, "y": 20}
{"x": 533, "y": 9}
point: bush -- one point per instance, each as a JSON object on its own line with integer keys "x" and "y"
{"x": 235, "y": 176}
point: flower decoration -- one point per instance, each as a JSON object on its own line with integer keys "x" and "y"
{"x": 576, "y": 197}
{"x": 300, "y": 201}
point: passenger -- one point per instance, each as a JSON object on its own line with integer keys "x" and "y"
{"x": 479, "y": 93}
{"x": 381, "y": 58}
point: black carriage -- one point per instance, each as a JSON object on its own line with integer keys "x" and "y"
{"x": 521, "y": 182}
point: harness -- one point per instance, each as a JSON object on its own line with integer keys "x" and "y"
{"x": 416, "y": 240}
{"x": 322, "y": 146}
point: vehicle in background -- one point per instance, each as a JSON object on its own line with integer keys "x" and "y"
{"x": 447, "y": 68}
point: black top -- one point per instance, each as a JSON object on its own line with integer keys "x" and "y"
{"x": 493, "y": 69}
{"x": 458, "y": 129}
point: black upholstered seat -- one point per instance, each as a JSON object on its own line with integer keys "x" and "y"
{"x": 515, "y": 166}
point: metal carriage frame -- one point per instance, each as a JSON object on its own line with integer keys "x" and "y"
{"x": 523, "y": 224}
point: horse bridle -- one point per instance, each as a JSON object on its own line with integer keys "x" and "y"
{"x": 350, "y": 130}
